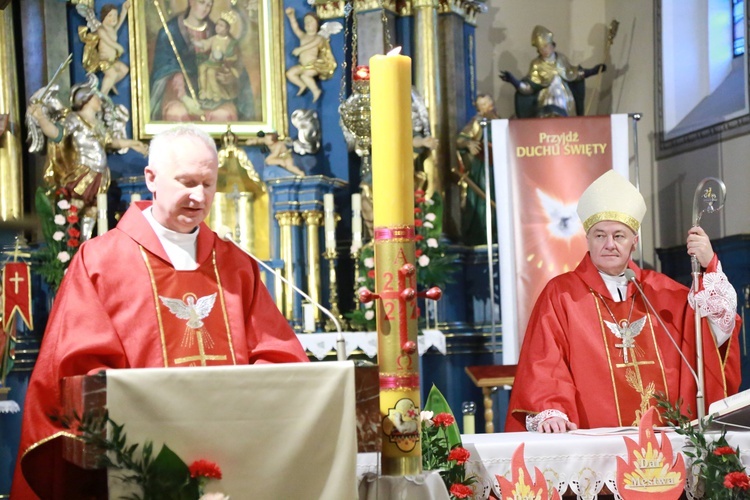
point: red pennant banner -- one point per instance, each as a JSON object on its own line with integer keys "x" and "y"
{"x": 17, "y": 293}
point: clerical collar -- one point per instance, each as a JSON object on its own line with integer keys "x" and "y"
{"x": 181, "y": 248}
{"x": 617, "y": 285}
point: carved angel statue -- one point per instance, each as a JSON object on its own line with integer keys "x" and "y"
{"x": 314, "y": 52}
{"x": 101, "y": 51}
{"x": 278, "y": 150}
{"x": 79, "y": 138}
{"x": 308, "y": 127}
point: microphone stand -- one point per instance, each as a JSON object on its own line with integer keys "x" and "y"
{"x": 707, "y": 196}
{"x": 226, "y": 235}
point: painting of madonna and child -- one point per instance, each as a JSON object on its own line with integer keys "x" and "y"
{"x": 206, "y": 62}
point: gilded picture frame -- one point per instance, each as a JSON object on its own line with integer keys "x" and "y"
{"x": 216, "y": 65}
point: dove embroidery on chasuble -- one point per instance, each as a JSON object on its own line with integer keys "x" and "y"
{"x": 635, "y": 363}
{"x": 191, "y": 313}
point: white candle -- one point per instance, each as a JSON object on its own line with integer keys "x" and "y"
{"x": 309, "y": 314}
{"x": 101, "y": 211}
{"x": 356, "y": 221}
{"x": 329, "y": 222}
{"x": 134, "y": 197}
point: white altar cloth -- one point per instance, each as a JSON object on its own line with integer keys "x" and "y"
{"x": 583, "y": 464}
{"x": 321, "y": 344}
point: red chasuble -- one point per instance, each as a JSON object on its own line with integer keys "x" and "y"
{"x": 123, "y": 305}
{"x": 573, "y": 357}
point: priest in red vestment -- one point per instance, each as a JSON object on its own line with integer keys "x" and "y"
{"x": 594, "y": 355}
{"x": 160, "y": 290}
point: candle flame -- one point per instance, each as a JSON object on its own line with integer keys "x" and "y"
{"x": 394, "y": 52}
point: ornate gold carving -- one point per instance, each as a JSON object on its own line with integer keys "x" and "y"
{"x": 11, "y": 177}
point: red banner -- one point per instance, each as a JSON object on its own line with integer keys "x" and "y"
{"x": 541, "y": 168}
{"x": 17, "y": 293}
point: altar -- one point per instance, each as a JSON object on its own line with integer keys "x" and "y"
{"x": 581, "y": 463}
{"x": 320, "y": 345}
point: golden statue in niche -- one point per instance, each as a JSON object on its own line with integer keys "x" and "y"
{"x": 241, "y": 201}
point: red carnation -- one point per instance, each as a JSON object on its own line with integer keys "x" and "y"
{"x": 737, "y": 480}
{"x": 204, "y": 468}
{"x": 459, "y": 454}
{"x": 73, "y": 209}
{"x": 73, "y": 232}
{"x": 419, "y": 192}
{"x": 418, "y": 237}
{"x": 73, "y": 242}
{"x": 72, "y": 218}
{"x": 459, "y": 490}
{"x": 418, "y": 222}
{"x": 371, "y": 273}
{"x": 724, "y": 450}
{"x": 417, "y": 210}
{"x": 418, "y": 252}
{"x": 443, "y": 419}
{"x": 420, "y": 200}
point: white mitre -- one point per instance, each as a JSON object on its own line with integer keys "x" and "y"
{"x": 611, "y": 197}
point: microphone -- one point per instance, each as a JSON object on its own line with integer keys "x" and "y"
{"x": 226, "y": 234}
{"x": 699, "y": 397}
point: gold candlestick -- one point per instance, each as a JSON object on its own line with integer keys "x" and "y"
{"x": 333, "y": 297}
{"x": 355, "y": 258}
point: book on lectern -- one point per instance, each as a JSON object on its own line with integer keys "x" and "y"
{"x": 733, "y": 412}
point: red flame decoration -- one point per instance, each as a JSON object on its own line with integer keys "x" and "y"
{"x": 649, "y": 473}
{"x": 520, "y": 485}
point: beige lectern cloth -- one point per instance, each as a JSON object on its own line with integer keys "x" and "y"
{"x": 276, "y": 431}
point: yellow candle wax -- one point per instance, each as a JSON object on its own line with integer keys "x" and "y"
{"x": 391, "y": 131}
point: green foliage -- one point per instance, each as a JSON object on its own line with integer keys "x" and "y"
{"x": 440, "y": 438}
{"x": 61, "y": 228}
{"x": 716, "y": 464}
{"x": 165, "y": 476}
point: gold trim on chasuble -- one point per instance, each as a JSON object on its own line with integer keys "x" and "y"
{"x": 202, "y": 357}
{"x": 633, "y": 372}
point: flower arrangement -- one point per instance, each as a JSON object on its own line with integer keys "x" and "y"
{"x": 716, "y": 465}
{"x": 441, "y": 447}
{"x": 59, "y": 215}
{"x": 162, "y": 477}
{"x": 434, "y": 263}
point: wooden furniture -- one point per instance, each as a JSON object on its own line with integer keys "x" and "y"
{"x": 489, "y": 378}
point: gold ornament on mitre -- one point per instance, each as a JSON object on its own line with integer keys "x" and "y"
{"x": 541, "y": 36}
{"x": 611, "y": 197}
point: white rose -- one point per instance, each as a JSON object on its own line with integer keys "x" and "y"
{"x": 369, "y": 314}
{"x": 58, "y": 236}
{"x": 60, "y": 220}
{"x": 428, "y": 224}
{"x": 426, "y": 415}
{"x": 430, "y": 216}
{"x": 369, "y": 262}
{"x": 424, "y": 260}
{"x": 63, "y": 257}
{"x": 361, "y": 279}
{"x": 432, "y": 243}
{"x": 368, "y": 305}
{"x": 214, "y": 496}
{"x": 63, "y": 204}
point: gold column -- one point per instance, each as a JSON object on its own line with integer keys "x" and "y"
{"x": 11, "y": 179}
{"x": 286, "y": 221}
{"x": 313, "y": 219}
{"x": 427, "y": 82}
